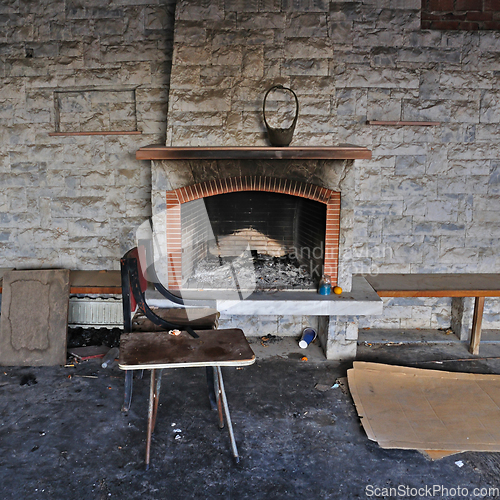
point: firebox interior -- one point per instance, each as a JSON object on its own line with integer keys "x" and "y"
{"x": 283, "y": 235}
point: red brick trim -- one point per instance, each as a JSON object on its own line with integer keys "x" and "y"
{"x": 471, "y": 15}
{"x": 176, "y": 197}
{"x": 253, "y": 183}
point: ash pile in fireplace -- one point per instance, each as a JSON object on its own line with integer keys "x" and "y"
{"x": 253, "y": 271}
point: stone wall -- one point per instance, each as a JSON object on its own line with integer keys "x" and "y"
{"x": 75, "y": 201}
{"x": 428, "y": 201}
{"x": 461, "y": 14}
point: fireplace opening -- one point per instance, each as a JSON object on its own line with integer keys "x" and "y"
{"x": 253, "y": 239}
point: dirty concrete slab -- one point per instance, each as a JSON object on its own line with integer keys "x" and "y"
{"x": 440, "y": 355}
{"x": 62, "y": 436}
{"x": 272, "y": 346}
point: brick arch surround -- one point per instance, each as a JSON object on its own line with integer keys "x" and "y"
{"x": 176, "y": 197}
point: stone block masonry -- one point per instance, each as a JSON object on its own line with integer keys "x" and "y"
{"x": 76, "y": 201}
{"x": 428, "y": 201}
{"x": 461, "y": 14}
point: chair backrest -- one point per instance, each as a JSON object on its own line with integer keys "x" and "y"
{"x": 131, "y": 264}
{"x": 134, "y": 286}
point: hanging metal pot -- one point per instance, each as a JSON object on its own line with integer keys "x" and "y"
{"x": 281, "y": 136}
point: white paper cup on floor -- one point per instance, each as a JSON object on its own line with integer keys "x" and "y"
{"x": 308, "y": 335}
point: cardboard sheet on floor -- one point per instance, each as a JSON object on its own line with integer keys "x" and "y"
{"x": 437, "y": 411}
{"x": 34, "y": 319}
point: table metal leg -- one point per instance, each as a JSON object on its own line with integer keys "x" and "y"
{"x": 152, "y": 390}
{"x": 154, "y": 398}
{"x": 226, "y": 411}
{"x": 218, "y": 398}
{"x": 477, "y": 319}
{"x": 212, "y": 398}
{"x": 159, "y": 374}
{"x": 127, "y": 399}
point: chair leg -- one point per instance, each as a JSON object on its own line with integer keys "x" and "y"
{"x": 211, "y": 387}
{"x": 226, "y": 412}
{"x": 127, "y": 399}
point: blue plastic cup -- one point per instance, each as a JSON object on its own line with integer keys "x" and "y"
{"x": 308, "y": 335}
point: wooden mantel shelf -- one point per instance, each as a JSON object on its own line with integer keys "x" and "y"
{"x": 341, "y": 152}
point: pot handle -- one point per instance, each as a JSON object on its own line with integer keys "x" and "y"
{"x": 282, "y": 87}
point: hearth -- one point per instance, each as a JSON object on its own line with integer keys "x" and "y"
{"x": 262, "y": 272}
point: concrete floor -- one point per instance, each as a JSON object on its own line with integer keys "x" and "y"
{"x": 64, "y": 436}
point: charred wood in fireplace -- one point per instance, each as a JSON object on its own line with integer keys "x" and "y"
{"x": 252, "y": 270}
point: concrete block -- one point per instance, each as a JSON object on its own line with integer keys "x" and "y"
{"x": 265, "y": 20}
{"x": 34, "y": 320}
{"x": 313, "y": 67}
{"x": 253, "y": 63}
{"x": 338, "y": 336}
{"x": 461, "y": 316}
{"x": 310, "y": 25}
{"x": 383, "y": 108}
{"x": 411, "y": 166}
{"x": 362, "y": 76}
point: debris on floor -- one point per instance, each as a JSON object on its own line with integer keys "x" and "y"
{"x": 88, "y": 352}
{"x": 342, "y": 383}
{"x": 324, "y": 387}
{"x": 269, "y": 339}
{"x": 110, "y": 357}
{"x": 84, "y": 337}
{"x": 28, "y": 379}
{"x": 431, "y": 410}
{"x": 339, "y": 383}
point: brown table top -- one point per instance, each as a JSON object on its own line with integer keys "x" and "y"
{"x": 436, "y": 285}
{"x": 148, "y": 350}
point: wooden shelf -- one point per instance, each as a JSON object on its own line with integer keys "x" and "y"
{"x": 402, "y": 123}
{"x": 95, "y": 282}
{"x": 436, "y": 285}
{"x": 341, "y": 152}
{"x": 111, "y": 132}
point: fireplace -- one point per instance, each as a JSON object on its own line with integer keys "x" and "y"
{"x": 222, "y": 197}
{"x": 296, "y": 223}
{"x": 216, "y": 203}
{"x": 192, "y": 193}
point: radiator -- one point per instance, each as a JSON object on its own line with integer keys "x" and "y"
{"x": 96, "y": 313}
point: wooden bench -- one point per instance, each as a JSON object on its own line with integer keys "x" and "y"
{"x": 95, "y": 282}
{"x": 478, "y": 286}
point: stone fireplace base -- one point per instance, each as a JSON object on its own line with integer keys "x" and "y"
{"x": 286, "y": 313}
